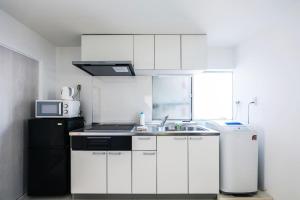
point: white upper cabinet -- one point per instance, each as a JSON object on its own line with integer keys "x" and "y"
{"x": 194, "y": 52}
{"x": 159, "y": 52}
{"x": 144, "y": 51}
{"x": 107, "y": 47}
{"x": 167, "y": 52}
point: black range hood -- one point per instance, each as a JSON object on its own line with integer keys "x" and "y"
{"x": 106, "y": 68}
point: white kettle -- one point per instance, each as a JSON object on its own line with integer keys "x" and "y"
{"x": 67, "y": 93}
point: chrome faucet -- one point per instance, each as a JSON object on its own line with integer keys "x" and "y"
{"x": 164, "y": 121}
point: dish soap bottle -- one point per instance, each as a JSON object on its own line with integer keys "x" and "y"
{"x": 142, "y": 119}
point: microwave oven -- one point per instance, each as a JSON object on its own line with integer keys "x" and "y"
{"x": 57, "y": 108}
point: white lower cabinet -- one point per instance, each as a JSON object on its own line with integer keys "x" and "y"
{"x": 88, "y": 172}
{"x": 144, "y": 172}
{"x": 172, "y": 165}
{"x": 203, "y": 164}
{"x": 181, "y": 165}
{"x": 119, "y": 172}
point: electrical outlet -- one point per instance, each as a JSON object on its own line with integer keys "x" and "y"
{"x": 78, "y": 87}
{"x": 237, "y": 102}
{"x": 254, "y": 100}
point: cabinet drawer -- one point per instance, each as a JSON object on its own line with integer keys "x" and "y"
{"x": 144, "y": 143}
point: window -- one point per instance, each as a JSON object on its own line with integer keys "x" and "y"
{"x": 202, "y": 96}
{"x": 212, "y": 95}
{"x": 172, "y": 97}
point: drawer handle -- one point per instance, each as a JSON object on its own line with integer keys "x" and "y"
{"x": 114, "y": 153}
{"x": 179, "y": 138}
{"x": 196, "y": 138}
{"x": 98, "y": 137}
{"x": 99, "y": 153}
{"x": 144, "y": 138}
{"x": 148, "y": 154}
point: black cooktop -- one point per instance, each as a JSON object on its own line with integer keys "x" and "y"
{"x": 111, "y": 127}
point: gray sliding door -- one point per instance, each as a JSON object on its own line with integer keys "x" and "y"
{"x": 18, "y": 90}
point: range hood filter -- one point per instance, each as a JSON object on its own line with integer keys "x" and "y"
{"x": 120, "y": 69}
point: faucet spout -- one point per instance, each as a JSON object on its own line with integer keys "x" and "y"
{"x": 164, "y": 121}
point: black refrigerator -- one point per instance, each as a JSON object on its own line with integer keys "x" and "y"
{"x": 49, "y": 155}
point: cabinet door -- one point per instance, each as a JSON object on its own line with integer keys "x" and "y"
{"x": 167, "y": 52}
{"x": 144, "y": 51}
{"x": 107, "y": 47}
{"x": 194, "y": 51}
{"x": 144, "y": 172}
{"x": 203, "y": 164}
{"x": 88, "y": 172}
{"x": 119, "y": 172}
{"x": 172, "y": 174}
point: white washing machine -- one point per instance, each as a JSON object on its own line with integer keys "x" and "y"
{"x": 238, "y": 157}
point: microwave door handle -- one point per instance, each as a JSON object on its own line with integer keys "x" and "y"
{"x": 59, "y": 108}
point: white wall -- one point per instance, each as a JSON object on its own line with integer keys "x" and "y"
{"x": 268, "y": 66}
{"x": 113, "y": 99}
{"x": 16, "y": 36}
{"x": 121, "y": 99}
{"x": 118, "y": 99}
{"x": 69, "y": 75}
{"x": 221, "y": 58}
{"x": 19, "y": 38}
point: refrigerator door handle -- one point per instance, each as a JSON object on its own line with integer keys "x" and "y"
{"x": 60, "y": 108}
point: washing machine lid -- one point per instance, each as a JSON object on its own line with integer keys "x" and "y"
{"x": 228, "y": 126}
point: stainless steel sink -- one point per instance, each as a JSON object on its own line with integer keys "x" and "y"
{"x": 181, "y": 128}
{"x": 186, "y": 128}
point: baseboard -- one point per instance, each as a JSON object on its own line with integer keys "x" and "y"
{"x": 144, "y": 196}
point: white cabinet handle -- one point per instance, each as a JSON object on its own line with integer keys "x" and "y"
{"x": 179, "y": 138}
{"x": 148, "y": 153}
{"x": 99, "y": 153}
{"x": 114, "y": 153}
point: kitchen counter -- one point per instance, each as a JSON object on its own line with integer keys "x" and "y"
{"x": 113, "y": 158}
{"x": 151, "y": 131}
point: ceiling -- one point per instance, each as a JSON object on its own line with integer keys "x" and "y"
{"x": 226, "y": 22}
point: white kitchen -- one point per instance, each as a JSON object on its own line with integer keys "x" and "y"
{"x": 149, "y": 99}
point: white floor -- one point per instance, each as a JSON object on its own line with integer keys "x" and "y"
{"x": 70, "y": 198}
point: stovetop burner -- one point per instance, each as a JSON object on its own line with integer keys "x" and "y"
{"x": 111, "y": 127}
